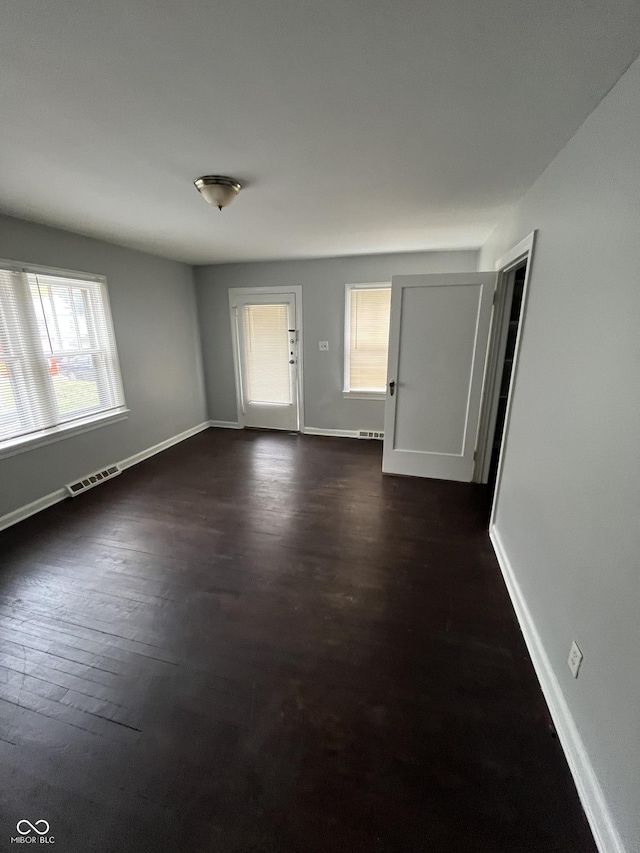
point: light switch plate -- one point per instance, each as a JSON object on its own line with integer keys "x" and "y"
{"x": 323, "y": 346}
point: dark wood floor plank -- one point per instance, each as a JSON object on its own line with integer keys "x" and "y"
{"x": 256, "y": 642}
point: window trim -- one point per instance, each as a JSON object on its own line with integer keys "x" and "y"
{"x": 347, "y": 392}
{"x": 65, "y": 429}
{"x": 364, "y": 395}
{"x": 13, "y": 446}
{"x": 38, "y": 269}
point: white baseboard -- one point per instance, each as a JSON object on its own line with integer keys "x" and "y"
{"x": 341, "y": 433}
{"x": 23, "y": 512}
{"x": 595, "y": 807}
{"x": 225, "y": 424}
{"x": 38, "y": 505}
{"x": 164, "y": 445}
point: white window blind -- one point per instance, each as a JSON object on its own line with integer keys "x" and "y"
{"x": 266, "y": 340}
{"x": 58, "y": 359}
{"x": 367, "y": 332}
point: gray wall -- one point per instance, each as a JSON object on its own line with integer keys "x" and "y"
{"x": 323, "y": 282}
{"x": 153, "y": 308}
{"x": 569, "y": 507}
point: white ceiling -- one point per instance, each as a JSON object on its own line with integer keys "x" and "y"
{"x": 357, "y": 125}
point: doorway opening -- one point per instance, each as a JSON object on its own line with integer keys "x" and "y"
{"x": 502, "y": 363}
{"x": 511, "y": 322}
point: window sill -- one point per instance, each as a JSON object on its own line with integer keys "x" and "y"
{"x": 13, "y": 446}
{"x": 364, "y": 395}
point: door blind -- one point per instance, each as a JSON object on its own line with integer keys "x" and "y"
{"x": 266, "y": 340}
{"x": 58, "y": 360}
{"x": 368, "y": 338}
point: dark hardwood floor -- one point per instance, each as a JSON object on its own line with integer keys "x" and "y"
{"x": 255, "y": 642}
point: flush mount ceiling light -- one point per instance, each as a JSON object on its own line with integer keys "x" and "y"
{"x": 218, "y": 189}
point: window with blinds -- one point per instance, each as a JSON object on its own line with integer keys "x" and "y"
{"x": 367, "y": 338}
{"x": 58, "y": 359}
{"x": 266, "y": 341}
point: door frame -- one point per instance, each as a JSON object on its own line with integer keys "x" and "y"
{"x": 234, "y": 292}
{"x": 505, "y": 267}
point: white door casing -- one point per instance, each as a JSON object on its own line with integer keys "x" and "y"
{"x": 506, "y": 268}
{"x": 437, "y": 349}
{"x": 522, "y": 251}
{"x": 267, "y": 347}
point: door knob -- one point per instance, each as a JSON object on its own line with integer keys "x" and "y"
{"x": 392, "y": 387}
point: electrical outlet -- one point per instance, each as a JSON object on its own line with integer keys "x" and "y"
{"x": 575, "y": 659}
{"x": 323, "y": 346}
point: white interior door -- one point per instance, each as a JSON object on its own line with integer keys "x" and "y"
{"x": 437, "y": 347}
{"x": 266, "y": 340}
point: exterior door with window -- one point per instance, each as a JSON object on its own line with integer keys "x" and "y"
{"x": 266, "y": 341}
{"x": 437, "y": 347}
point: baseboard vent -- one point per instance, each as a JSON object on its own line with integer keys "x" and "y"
{"x": 365, "y": 433}
{"x": 92, "y": 480}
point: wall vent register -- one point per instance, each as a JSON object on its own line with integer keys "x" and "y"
{"x": 92, "y": 480}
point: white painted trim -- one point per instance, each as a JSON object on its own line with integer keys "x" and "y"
{"x": 346, "y": 340}
{"x": 492, "y": 381}
{"x": 64, "y": 429}
{"x": 225, "y": 425}
{"x": 23, "y": 512}
{"x": 265, "y": 291}
{"x": 340, "y": 433}
{"x": 589, "y": 790}
{"x": 234, "y": 292}
{"x": 516, "y": 254}
{"x": 506, "y": 265}
{"x": 522, "y": 250}
{"x": 365, "y": 395}
{"x": 23, "y": 443}
{"x": 163, "y": 445}
{"x": 21, "y": 266}
{"x": 237, "y": 369}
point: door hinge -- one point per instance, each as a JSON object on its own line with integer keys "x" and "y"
{"x": 475, "y": 453}
{"x": 495, "y": 294}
